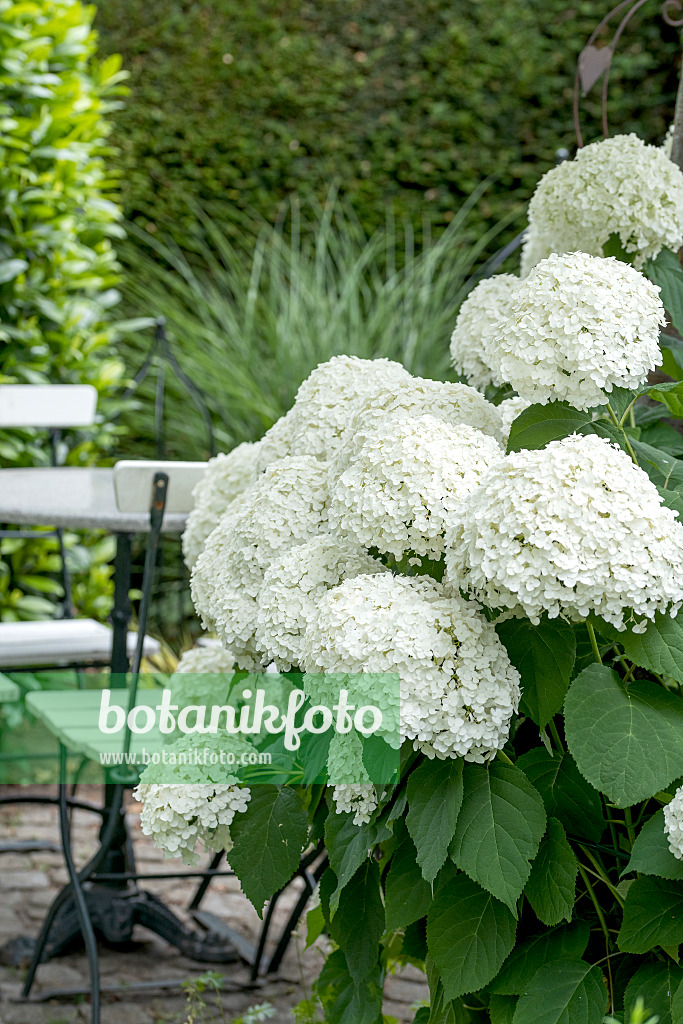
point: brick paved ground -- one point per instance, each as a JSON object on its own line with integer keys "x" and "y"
{"x": 28, "y": 882}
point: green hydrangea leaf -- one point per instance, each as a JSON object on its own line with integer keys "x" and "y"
{"x": 658, "y": 985}
{"x": 502, "y": 1009}
{"x": 348, "y": 846}
{"x": 269, "y": 838}
{"x": 499, "y": 828}
{"x": 469, "y": 935}
{"x": 651, "y": 854}
{"x": 536, "y": 426}
{"x": 670, "y": 395}
{"x": 567, "y": 941}
{"x": 435, "y": 793}
{"x": 544, "y": 657}
{"x": 653, "y": 915}
{"x": 566, "y": 794}
{"x": 358, "y": 923}
{"x": 564, "y": 992}
{"x": 666, "y": 272}
{"x": 407, "y": 895}
{"x": 344, "y": 1001}
{"x": 627, "y": 741}
{"x": 660, "y": 647}
{"x": 551, "y": 889}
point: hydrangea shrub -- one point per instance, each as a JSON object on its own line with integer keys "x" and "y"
{"x": 522, "y": 572}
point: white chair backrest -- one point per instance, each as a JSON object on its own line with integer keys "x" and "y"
{"x": 133, "y": 482}
{"x": 47, "y": 405}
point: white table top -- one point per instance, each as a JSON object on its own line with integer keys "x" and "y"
{"x": 73, "y": 497}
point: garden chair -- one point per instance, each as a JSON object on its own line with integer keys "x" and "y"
{"x": 65, "y": 641}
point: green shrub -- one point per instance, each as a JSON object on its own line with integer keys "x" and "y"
{"x": 249, "y": 101}
{"x": 57, "y": 264}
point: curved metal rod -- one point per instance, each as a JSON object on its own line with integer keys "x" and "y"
{"x": 79, "y": 805}
{"x": 106, "y": 837}
{"x": 605, "y": 81}
{"x": 591, "y": 39}
{"x": 87, "y": 930}
{"x": 196, "y": 393}
{"x": 669, "y": 5}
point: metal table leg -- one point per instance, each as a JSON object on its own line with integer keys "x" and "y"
{"x": 120, "y": 616}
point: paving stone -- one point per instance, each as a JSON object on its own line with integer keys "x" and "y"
{"x": 14, "y": 880}
{"x": 28, "y": 885}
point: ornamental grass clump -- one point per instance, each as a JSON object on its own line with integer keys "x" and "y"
{"x": 527, "y": 600}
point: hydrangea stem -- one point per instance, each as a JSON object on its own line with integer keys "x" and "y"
{"x": 601, "y": 919}
{"x": 594, "y": 642}
{"x": 617, "y": 424}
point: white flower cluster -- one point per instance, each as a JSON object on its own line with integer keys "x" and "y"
{"x": 571, "y": 529}
{"x": 357, "y": 798}
{"x": 293, "y": 586}
{"x": 406, "y": 481}
{"x": 328, "y": 397}
{"x": 616, "y": 186}
{"x": 673, "y": 824}
{"x": 579, "y": 325}
{"x": 178, "y": 816}
{"x": 227, "y": 480}
{"x": 210, "y": 658}
{"x": 456, "y": 404}
{"x": 184, "y": 804}
{"x": 458, "y": 690}
{"x": 227, "y": 476}
{"x": 203, "y": 675}
{"x": 508, "y": 410}
{"x": 352, "y": 791}
{"x": 478, "y": 315}
{"x": 287, "y": 506}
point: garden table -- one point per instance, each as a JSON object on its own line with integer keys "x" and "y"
{"x": 82, "y": 498}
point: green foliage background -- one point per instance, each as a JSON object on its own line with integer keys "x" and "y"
{"x": 57, "y": 264}
{"x": 248, "y": 101}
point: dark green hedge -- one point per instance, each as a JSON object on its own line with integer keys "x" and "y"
{"x": 416, "y": 102}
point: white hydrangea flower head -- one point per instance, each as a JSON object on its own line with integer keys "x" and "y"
{"x": 535, "y": 247}
{"x": 357, "y": 798}
{"x": 184, "y": 804}
{"x": 275, "y": 444}
{"x": 209, "y": 658}
{"x": 570, "y": 529}
{"x": 478, "y": 315}
{"x": 294, "y": 584}
{"x": 453, "y": 403}
{"x": 328, "y": 397}
{"x": 615, "y": 186}
{"x": 352, "y": 791}
{"x": 406, "y": 481}
{"x": 287, "y": 506}
{"x": 458, "y": 690}
{"x": 578, "y": 326}
{"x": 673, "y": 824}
{"x": 203, "y": 676}
{"x": 226, "y": 477}
{"x": 508, "y": 410}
